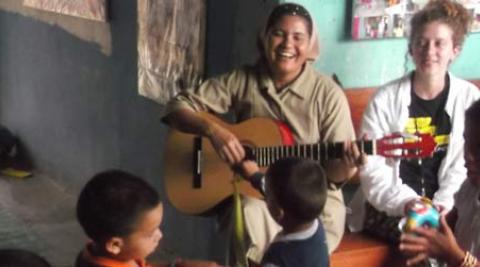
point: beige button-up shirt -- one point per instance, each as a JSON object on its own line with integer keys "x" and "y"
{"x": 313, "y": 106}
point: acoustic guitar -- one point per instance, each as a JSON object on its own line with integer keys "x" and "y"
{"x": 197, "y": 179}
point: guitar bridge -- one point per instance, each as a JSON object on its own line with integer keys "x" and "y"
{"x": 197, "y": 162}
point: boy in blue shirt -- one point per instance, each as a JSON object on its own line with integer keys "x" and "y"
{"x": 295, "y": 191}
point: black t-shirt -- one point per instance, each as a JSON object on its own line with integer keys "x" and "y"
{"x": 427, "y": 116}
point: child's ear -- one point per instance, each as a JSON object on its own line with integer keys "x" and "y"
{"x": 114, "y": 245}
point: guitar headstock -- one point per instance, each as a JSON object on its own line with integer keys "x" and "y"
{"x": 402, "y": 145}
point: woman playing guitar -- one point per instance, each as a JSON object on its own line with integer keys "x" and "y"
{"x": 282, "y": 85}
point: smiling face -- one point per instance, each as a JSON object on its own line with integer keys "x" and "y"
{"x": 143, "y": 241}
{"x": 433, "y": 49}
{"x": 286, "y": 47}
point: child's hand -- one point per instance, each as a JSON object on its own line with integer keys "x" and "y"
{"x": 409, "y": 205}
{"x": 422, "y": 243}
{"x": 246, "y": 168}
{"x": 441, "y": 209}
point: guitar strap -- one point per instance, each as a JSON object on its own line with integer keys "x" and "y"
{"x": 238, "y": 227}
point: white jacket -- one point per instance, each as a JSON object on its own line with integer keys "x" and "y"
{"x": 388, "y": 112}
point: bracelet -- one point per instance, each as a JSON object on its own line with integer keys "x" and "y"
{"x": 469, "y": 260}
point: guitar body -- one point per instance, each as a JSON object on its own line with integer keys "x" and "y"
{"x": 197, "y": 179}
{"x": 216, "y": 176}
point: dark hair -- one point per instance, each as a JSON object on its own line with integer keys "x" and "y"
{"x": 449, "y": 12}
{"x": 473, "y": 112}
{"x": 21, "y": 258}
{"x": 111, "y": 203}
{"x": 299, "y": 187}
{"x": 289, "y": 9}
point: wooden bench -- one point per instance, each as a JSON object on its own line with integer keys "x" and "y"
{"x": 358, "y": 249}
{"x": 357, "y": 100}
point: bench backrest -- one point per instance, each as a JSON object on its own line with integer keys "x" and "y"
{"x": 358, "y": 99}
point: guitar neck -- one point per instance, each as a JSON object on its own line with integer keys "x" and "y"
{"x": 265, "y": 156}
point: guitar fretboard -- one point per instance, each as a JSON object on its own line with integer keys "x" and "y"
{"x": 265, "y": 156}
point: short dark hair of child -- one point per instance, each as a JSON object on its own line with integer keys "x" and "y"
{"x": 112, "y": 202}
{"x": 21, "y": 258}
{"x": 299, "y": 187}
{"x": 473, "y": 112}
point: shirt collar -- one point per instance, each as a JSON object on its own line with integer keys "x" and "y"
{"x": 298, "y": 87}
{"x": 107, "y": 262}
{"x": 302, "y": 235}
{"x": 449, "y": 105}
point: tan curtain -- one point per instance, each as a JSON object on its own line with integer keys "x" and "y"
{"x": 171, "y": 38}
{"x": 89, "y": 9}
